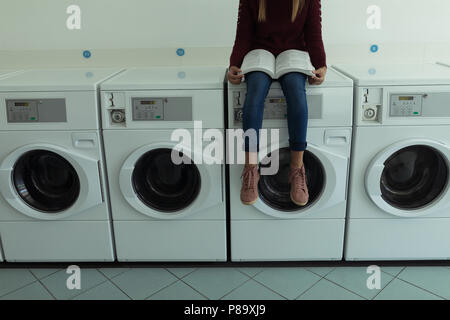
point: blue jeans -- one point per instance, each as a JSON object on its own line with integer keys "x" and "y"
{"x": 293, "y": 85}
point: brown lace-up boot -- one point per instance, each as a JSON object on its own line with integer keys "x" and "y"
{"x": 250, "y": 179}
{"x": 299, "y": 189}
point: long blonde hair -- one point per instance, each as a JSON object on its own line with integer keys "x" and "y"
{"x": 297, "y": 6}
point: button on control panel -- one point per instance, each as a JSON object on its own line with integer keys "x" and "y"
{"x": 406, "y": 105}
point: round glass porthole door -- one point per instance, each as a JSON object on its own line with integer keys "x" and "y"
{"x": 413, "y": 177}
{"x": 162, "y": 185}
{"x": 274, "y": 190}
{"x": 46, "y": 181}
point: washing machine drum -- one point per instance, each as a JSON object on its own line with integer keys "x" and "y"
{"x": 274, "y": 190}
{"x": 413, "y": 177}
{"x": 163, "y": 185}
{"x": 46, "y": 181}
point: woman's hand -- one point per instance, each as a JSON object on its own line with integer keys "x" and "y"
{"x": 319, "y": 76}
{"x": 233, "y": 75}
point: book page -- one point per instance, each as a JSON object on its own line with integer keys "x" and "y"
{"x": 293, "y": 61}
{"x": 259, "y": 60}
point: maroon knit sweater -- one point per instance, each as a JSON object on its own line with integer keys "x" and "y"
{"x": 278, "y": 33}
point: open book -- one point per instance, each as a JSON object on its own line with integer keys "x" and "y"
{"x": 287, "y": 61}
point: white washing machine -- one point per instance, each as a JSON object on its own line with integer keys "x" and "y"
{"x": 274, "y": 228}
{"x": 53, "y": 203}
{"x": 3, "y": 74}
{"x": 164, "y": 211}
{"x": 399, "y": 198}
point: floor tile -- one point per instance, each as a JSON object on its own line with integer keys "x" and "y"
{"x": 252, "y": 290}
{"x": 57, "y": 283}
{"x": 355, "y": 280}
{"x": 42, "y": 273}
{"x": 289, "y": 282}
{"x": 393, "y": 271}
{"x": 13, "y": 279}
{"x": 215, "y": 282}
{"x": 413, "y": 283}
{"x": 180, "y": 272}
{"x": 112, "y": 272}
{"x": 34, "y": 291}
{"x": 104, "y": 291}
{"x": 140, "y": 283}
{"x": 433, "y": 279}
{"x": 177, "y": 291}
{"x": 251, "y": 272}
{"x": 321, "y": 271}
{"x": 326, "y": 290}
{"x": 400, "y": 290}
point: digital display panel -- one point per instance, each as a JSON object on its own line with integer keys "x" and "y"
{"x": 405, "y": 98}
{"x": 149, "y": 102}
{"x": 277, "y": 100}
{"x": 21, "y": 104}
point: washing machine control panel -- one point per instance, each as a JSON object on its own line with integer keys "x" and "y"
{"x": 275, "y": 106}
{"x": 148, "y": 109}
{"x": 162, "y": 109}
{"x": 36, "y": 110}
{"x": 406, "y": 105}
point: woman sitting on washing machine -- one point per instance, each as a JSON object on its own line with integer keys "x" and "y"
{"x": 277, "y": 26}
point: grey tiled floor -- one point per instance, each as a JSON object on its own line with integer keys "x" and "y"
{"x": 344, "y": 283}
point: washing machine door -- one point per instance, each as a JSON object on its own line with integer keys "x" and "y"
{"x": 49, "y": 182}
{"x": 410, "y": 178}
{"x": 326, "y": 179}
{"x": 157, "y": 187}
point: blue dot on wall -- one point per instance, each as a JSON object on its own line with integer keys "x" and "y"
{"x": 372, "y": 71}
{"x": 374, "y": 48}
{"x": 181, "y": 75}
{"x": 180, "y": 52}
{"x": 87, "y": 54}
{"x": 89, "y": 74}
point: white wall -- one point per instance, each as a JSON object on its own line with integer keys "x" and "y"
{"x": 144, "y": 32}
{"x": 404, "y": 21}
{"x": 41, "y": 24}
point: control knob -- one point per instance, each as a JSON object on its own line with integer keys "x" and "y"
{"x": 238, "y": 115}
{"x": 118, "y": 116}
{"x": 369, "y": 113}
